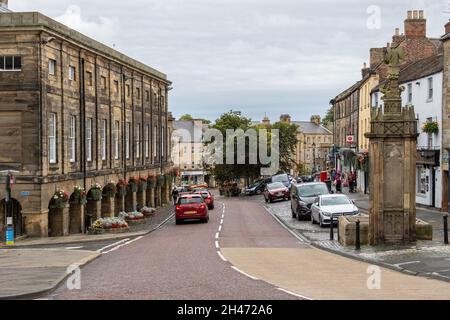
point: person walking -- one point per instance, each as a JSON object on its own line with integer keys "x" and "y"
{"x": 175, "y": 195}
{"x": 338, "y": 183}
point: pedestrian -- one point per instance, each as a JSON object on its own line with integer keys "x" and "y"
{"x": 175, "y": 194}
{"x": 338, "y": 183}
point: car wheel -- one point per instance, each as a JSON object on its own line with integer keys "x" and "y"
{"x": 177, "y": 222}
{"x": 258, "y": 192}
{"x": 266, "y": 199}
{"x": 313, "y": 221}
{"x": 300, "y": 218}
{"x": 321, "y": 223}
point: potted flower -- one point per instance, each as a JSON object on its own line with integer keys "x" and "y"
{"x": 110, "y": 190}
{"x": 133, "y": 184}
{"x": 148, "y": 212}
{"x": 60, "y": 199}
{"x": 122, "y": 187}
{"x": 142, "y": 184}
{"x": 96, "y": 192}
{"x": 431, "y": 127}
{"x": 79, "y": 195}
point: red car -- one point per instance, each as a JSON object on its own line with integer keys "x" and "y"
{"x": 209, "y": 198}
{"x": 191, "y": 207}
{"x": 276, "y": 191}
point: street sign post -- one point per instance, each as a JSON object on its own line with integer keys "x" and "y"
{"x": 9, "y": 235}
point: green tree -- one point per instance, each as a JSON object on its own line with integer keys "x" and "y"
{"x": 329, "y": 117}
{"x": 186, "y": 117}
{"x": 288, "y": 144}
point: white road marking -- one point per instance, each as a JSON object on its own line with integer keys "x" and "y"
{"x": 245, "y": 274}
{"x": 217, "y": 245}
{"x": 122, "y": 245}
{"x": 406, "y": 263}
{"x": 295, "y": 294}
{"x": 221, "y": 221}
{"x": 223, "y": 216}
{"x": 74, "y": 248}
{"x": 220, "y": 228}
{"x": 221, "y": 256}
{"x": 217, "y": 235}
{"x": 114, "y": 244}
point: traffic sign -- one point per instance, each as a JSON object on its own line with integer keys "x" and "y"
{"x": 9, "y": 235}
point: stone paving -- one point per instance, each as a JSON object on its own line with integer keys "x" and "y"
{"x": 427, "y": 258}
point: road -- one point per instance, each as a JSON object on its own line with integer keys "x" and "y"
{"x": 183, "y": 262}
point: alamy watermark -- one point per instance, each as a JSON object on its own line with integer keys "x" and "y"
{"x": 211, "y": 148}
{"x": 374, "y": 279}
{"x": 74, "y": 280}
{"x": 374, "y": 20}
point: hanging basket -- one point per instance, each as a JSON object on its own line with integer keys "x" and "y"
{"x": 133, "y": 184}
{"x": 431, "y": 127}
{"x": 60, "y": 199}
{"x": 79, "y": 196}
{"x": 151, "y": 182}
{"x": 110, "y": 190}
{"x": 95, "y": 194}
{"x": 142, "y": 185}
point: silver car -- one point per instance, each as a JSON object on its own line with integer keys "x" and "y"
{"x": 334, "y": 205}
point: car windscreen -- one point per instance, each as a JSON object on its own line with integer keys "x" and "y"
{"x": 276, "y": 185}
{"x": 192, "y": 200}
{"x": 311, "y": 191}
{"x": 335, "y": 201}
{"x": 280, "y": 178}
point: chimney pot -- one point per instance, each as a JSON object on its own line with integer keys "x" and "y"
{"x": 447, "y": 27}
{"x": 410, "y": 14}
{"x": 397, "y": 31}
{"x": 416, "y": 14}
{"x": 421, "y": 15}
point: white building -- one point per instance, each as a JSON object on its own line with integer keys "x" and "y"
{"x": 422, "y": 82}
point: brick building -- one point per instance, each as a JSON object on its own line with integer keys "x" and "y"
{"x": 74, "y": 112}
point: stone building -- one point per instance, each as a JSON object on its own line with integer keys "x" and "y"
{"x": 74, "y": 112}
{"x": 446, "y": 119}
{"x": 350, "y": 107}
{"x": 422, "y": 83}
{"x": 188, "y": 151}
{"x": 314, "y": 143}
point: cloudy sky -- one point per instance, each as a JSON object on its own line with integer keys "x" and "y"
{"x": 256, "y": 56}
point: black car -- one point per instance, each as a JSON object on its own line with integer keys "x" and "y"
{"x": 303, "y": 196}
{"x": 255, "y": 188}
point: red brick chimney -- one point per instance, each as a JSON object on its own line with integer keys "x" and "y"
{"x": 447, "y": 28}
{"x": 415, "y": 25}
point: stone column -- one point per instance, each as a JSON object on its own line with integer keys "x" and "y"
{"x": 76, "y": 218}
{"x": 36, "y": 223}
{"x": 130, "y": 203}
{"x": 94, "y": 209}
{"x": 119, "y": 205}
{"x": 158, "y": 201}
{"x": 393, "y": 154}
{"x": 108, "y": 207}
{"x": 141, "y": 198}
{"x": 151, "y": 197}
{"x": 59, "y": 222}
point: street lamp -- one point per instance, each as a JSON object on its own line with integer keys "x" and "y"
{"x": 314, "y": 156}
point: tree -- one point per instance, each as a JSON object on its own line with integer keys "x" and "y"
{"x": 288, "y": 144}
{"x": 329, "y": 117}
{"x": 186, "y": 117}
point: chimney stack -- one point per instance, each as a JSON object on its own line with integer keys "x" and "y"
{"x": 315, "y": 120}
{"x": 447, "y": 28}
{"x": 416, "y": 25}
{"x": 285, "y": 118}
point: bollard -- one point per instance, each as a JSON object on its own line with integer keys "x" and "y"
{"x": 358, "y": 236}
{"x": 332, "y": 228}
{"x": 446, "y": 229}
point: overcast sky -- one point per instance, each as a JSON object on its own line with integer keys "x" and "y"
{"x": 257, "y": 56}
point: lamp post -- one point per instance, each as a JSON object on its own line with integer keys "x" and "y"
{"x": 314, "y": 157}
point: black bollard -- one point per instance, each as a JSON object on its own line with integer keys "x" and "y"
{"x": 358, "y": 236}
{"x": 332, "y": 228}
{"x": 446, "y": 229}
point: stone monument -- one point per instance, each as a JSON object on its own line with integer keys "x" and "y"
{"x": 393, "y": 153}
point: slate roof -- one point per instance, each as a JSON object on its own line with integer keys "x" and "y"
{"x": 419, "y": 69}
{"x": 311, "y": 128}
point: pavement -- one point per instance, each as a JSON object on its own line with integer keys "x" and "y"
{"x": 429, "y": 259}
{"x": 33, "y": 267}
{"x": 27, "y": 273}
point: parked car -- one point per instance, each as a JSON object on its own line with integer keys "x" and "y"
{"x": 276, "y": 191}
{"x": 191, "y": 207}
{"x": 255, "y": 188}
{"x": 283, "y": 178}
{"x": 303, "y": 196}
{"x": 208, "y": 197}
{"x": 334, "y": 205}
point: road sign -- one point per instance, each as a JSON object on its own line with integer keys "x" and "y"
{"x": 25, "y": 193}
{"x": 9, "y": 221}
{"x": 350, "y": 139}
{"x": 9, "y": 235}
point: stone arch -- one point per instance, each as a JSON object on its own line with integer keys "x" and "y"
{"x": 76, "y": 215}
{"x": 120, "y": 199}
{"x": 58, "y": 219}
{"x": 109, "y": 193}
{"x": 14, "y": 209}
